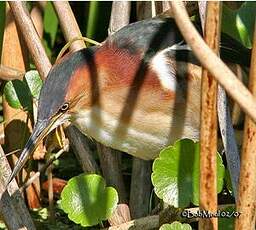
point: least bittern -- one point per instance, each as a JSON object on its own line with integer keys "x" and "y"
{"x": 137, "y": 93}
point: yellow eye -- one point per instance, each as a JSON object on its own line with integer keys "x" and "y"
{"x": 64, "y": 107}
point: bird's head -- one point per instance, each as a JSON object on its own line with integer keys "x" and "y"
{"x": 62, "y": 95}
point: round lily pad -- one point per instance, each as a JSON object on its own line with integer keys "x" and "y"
{"x": 176, "y": 174}
{"x": 175, "y": 226}
{"x": 87, "y": 200}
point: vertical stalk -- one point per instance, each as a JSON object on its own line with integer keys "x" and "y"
{"x": 68, "y": 21}
{"x": 246, "y": 204}
{"x": 208, "y": 132}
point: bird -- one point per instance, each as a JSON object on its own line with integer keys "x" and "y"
{"x": 138, "y": 92}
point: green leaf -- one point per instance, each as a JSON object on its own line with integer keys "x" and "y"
{"x": 176, "y": 174}
{"x": 239, "y": 24}
{"x": 176, "y": 226}
{"x": 50, "y": 23}
{"x": 87, "y": 200}
{"x": 228, "y": 182}
{"x": 34, "y": 83}
{"x": 19, "y": 94}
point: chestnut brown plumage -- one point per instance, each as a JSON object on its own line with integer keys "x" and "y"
{"x": 137, "y": 93}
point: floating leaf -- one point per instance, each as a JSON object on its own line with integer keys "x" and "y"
{"x": 175, "y": 226}
{"x": 239, "y": 24}
{"x": 19, "y": 94}
{"x": 176, "y": 174}
{"x": 87, "y": 200}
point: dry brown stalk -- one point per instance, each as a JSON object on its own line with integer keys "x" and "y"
{"x": 208, "y": 131}
{"x": 246, "y": 204}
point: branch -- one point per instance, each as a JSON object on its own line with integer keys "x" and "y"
{"x": 212, "y": 62}
{"x": 8, "y": 73}
{"x": 52, "y": 159}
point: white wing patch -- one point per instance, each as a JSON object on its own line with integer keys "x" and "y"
{"x": 162, "y": 66}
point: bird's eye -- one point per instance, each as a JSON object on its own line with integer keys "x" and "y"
{"x": 64, "y": 107}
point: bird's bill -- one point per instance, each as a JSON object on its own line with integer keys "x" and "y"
{"x": 41, "y": 130}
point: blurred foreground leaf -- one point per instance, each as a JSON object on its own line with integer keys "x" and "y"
{"x": 239, "y": 24}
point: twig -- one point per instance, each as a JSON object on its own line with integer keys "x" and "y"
{"x": 31, "y": 37}
{"x": 247, "y": 182}
{"x": 69, "y": 43}
{"x": 111, "y": 168}
{"x": 50, "y": 195}
{"x": 141, "y": 188}
{"x": 208, "y": 131}
{"x": 8, "y": 73}
{"x": 68, "y": 21}
{"x": 80, "y": 145}
{"x": 37, "y": 174}
{"x": 213, "y": 63}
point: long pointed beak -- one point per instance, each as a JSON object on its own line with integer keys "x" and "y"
{"x": 42, "y": 128}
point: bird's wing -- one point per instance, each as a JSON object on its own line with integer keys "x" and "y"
{"x": 152, "y": 35}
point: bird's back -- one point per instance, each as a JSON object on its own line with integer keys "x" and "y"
{"x": 148, "y": 89}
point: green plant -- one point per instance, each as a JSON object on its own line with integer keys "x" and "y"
{"x": 87, "y": 200}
